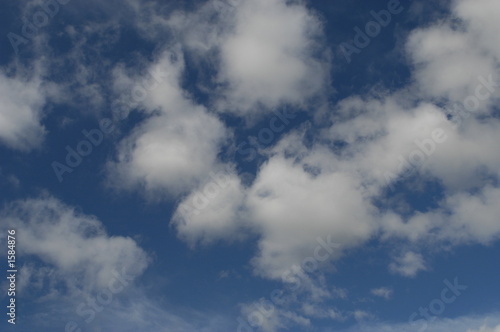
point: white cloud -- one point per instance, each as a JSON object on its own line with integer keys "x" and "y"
{"x": 361, "y": 315}
{"x": 268, "y": 58}
{"x": 169, "y": 154}
{"x": 408, "y": 264}
{"x": 475, "y": 217}
{"x": 383, "y": 292}
{"x": 383, "y": 135}
{"x": 292, "y": 208}
{"x": 481, "y": 22}
{"x": 21, "y": 112}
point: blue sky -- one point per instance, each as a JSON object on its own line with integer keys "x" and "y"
{"x": 251, "y": 165}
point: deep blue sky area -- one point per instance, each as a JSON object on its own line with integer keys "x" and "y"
{"x": 232, "y": 142}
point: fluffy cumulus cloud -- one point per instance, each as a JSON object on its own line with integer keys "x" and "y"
{"x": 451, "y": 56}
{"x": 386, "y": 137}
{"x": 265, "y": 53}
{"x": 76, "y": 248}
{"x": 176, "y": 147}
{"x": 389, "y": 140}
{"x": 292, "y": 208}
{"x": 21, "y": 112}
{"x": 169, "y": 153}
{"x": 268, "y": 58}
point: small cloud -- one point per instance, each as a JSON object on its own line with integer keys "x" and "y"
{"x": 226, "y": 274}
{"x": 340, "y": 293}
{"x": 384, "y": 292}
{"x": 408, "y": 265}
{"x": 13, "y": 181}
{"x": 9, "y": 179}
{"x": 361, "y": 315}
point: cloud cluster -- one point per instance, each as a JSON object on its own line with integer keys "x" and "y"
{"x": 304, "y": 190}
